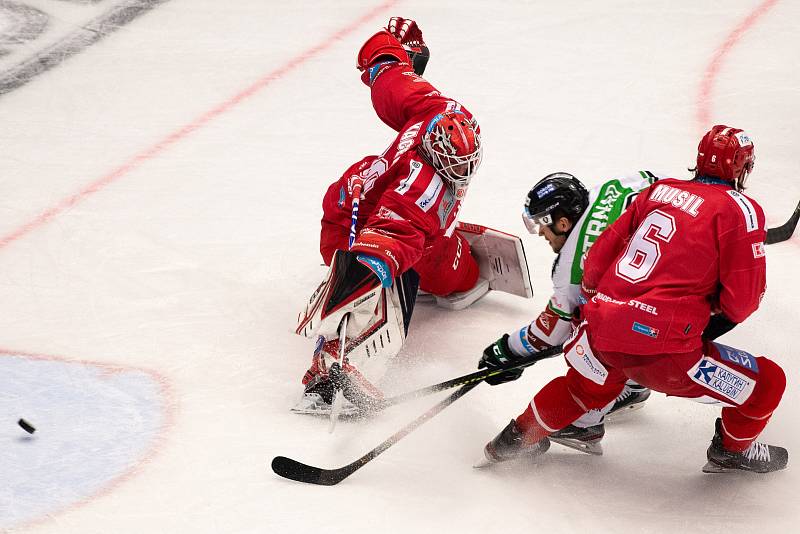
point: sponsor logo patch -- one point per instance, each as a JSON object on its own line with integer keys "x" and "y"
{"x": 545, "y": 324}
{"x": 743, "y": 138}
{"x": 378, "y": 69}
{"x": 445, "y": 208}
{"x": 723, "y": 380}
{"x": 582, "y": 359}
{"x": 739, "y": 357}
{"x": 523, "y": 337}
{"x": 649, "y": 331}
{"x": 426, "y": 200}
{"x": 386, "y": 213}
{"x": 546, "y": 190}
{"x": 758, "y": 250}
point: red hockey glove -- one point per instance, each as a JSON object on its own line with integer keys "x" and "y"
{"x": 379, "y": 45}
{"x": 406, "y": 31}
{"x": 410, "y": 36}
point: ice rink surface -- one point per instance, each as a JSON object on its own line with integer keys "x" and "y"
{"x": 160, "y": 194}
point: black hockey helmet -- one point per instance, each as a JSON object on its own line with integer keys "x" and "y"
{"x": 556, "y": 195}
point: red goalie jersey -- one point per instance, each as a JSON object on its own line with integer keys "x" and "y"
{"x": 409, "y": 203}
{"x": 683, "y": 249}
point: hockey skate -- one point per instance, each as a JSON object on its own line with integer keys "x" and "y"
{"x": 632, "y": 398}
{"x": 510, "y": 444}
{"x": 321, "y": 384}
{"x": 581, "y": 439}
{"x": 758, "y": 457}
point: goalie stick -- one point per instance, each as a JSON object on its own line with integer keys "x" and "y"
{"x": 784, "y": 231}
{"x": 300, "y": 472}
{"x": 338, "y": 393}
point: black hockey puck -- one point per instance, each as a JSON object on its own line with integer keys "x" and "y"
{"x": 29, "y": 428}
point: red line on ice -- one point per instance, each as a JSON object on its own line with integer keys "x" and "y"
{"x": 704, "y": 98}
{"x": 183, "y": 132}
{"x": 714, "y": 66}
{"x": 122, "y": 170}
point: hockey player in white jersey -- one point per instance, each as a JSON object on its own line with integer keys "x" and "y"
{"x": 570, "y": 218}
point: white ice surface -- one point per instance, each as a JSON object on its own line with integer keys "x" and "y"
{"x": 189, "y": 263}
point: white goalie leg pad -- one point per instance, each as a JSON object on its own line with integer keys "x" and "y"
{"x": 321, "y": 316}
{"x": 363, "y": 310}
{"x": 375, "y": 330}
{"x": 371, "y": 348}
{"x": 501, "y": 258}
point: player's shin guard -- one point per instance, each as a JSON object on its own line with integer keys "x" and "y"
{"x": 742, "y": 424}
{"x": 552, "y": 409}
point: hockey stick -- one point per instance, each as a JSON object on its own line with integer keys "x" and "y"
{"x": 358, "y": 184}
{"x": 300, "y": 472}
{"x": 477, "y": 376}
{"x": 338, "y": 395}
{"x": 784, "y": 231}
{"x": 335, "y": 373}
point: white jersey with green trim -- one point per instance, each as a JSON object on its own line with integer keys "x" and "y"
{"x": 607, "y": 201}
{"x": 554, "y": 324}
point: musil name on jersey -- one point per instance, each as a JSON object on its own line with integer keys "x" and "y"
{"x": 684, "y": 200}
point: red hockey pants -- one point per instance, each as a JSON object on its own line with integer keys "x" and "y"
{"x": 749, "y": 387}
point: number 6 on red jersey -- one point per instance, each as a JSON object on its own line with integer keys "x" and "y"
{"x": 644, "y": 249}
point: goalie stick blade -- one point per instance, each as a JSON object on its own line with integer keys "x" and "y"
{"x": 308, "y": 474}
{"x": 784, "y": 231}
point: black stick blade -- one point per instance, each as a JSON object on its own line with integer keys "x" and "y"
{"x": 294, "y": 470}
{"x": 300, "y": 472}
{"x": 784, "y": 231}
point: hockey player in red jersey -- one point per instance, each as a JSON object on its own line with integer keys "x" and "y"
{"x": 570, "y": 218}
{"x": 408, "y": 199}
{"x": 684, "y": 264}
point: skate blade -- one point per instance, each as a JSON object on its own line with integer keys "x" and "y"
{"x": 310, "y": 405}
{"x": 353, "y": 413}
{"x": 625, "y": 411}
{"x": 589, "y": 447}
{"x": 336, "y": 411}
{"x": 483, "y": 462}
{"x": 711, "y": 467}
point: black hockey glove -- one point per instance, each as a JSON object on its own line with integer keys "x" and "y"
{"x": 717, "y": 326}
{"x": 496, "y": 355}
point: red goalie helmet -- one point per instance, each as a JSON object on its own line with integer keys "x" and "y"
{"x": 726, "y": 153}
{"x": 452, "y": 144}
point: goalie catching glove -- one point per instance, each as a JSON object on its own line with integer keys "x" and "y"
{"x": 410, "y": 36}
{"x": 400, "y": 41}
